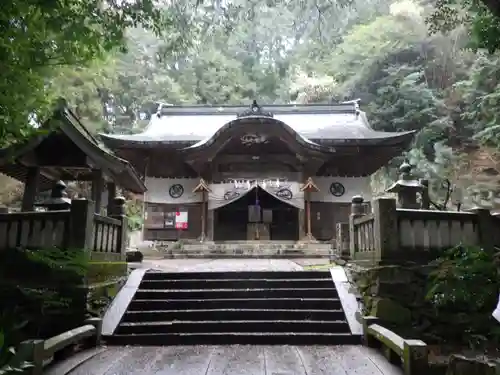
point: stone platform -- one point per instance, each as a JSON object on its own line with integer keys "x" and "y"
{"x": 246, "y": 249}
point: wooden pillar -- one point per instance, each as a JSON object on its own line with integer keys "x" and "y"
{"x": 308, "y": 188}
{"x": 111, "y": 187}
{"x": 30, "y": 189}
{"x": 308, "y": 214}
{"x": 210, "y": 224}
{"x": 203, "y": 216}
{"x": 302, "y": 222}
{"x": 97, "y": 188}
{"x": 202, "y": 188}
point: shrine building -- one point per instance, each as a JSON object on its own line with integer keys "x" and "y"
{"x": 278, "y": 172}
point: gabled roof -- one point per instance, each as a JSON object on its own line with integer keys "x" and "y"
{"x": 64, "y": 120}
{"x": 313, "y": 124}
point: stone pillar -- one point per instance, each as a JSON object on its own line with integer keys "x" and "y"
{"x": 426, "y": 200}
{"x": 407, "y": 188}
{"x": 486, "y": 229}
{"x": 357, "y": 210}
{"x": 81, "y": 224}
{"x": 385, "y": 229}
{"x": 118, "y": 212}
{"x": 30, "y": 189}
{"x": 342, "y": 239}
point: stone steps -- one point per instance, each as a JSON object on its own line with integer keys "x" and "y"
{"x": 250, "y": 249}
{"x": 232, "y": 314}
{"x": 222, "y": 308}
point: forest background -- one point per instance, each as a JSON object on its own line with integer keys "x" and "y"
{"x": 426, "y": 65}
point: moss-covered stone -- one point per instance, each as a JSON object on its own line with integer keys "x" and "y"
{"x": 390, "y": 311}
{"x": 460, "y": 365}
{"x": 99, "y": 272}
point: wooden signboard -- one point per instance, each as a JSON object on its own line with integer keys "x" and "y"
{"x": 154, "y": 220}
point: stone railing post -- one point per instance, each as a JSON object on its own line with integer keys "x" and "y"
{"x": 342, "y": 240}
{"x": 357, "y": 210}
{"x": 425, "y": 200}
{"x": 486, "y": 229}
{"x": 81, "y": 224}
{"x": 385, "y": 229}
{"x": 118, "y": 212}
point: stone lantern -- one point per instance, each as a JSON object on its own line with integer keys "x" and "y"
{"x": 58, "y": 198}
{"x": 407, "y": 188}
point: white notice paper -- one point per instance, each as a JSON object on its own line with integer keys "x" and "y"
{"x": 496, "y": 313}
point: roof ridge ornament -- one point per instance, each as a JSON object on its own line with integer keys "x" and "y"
{"x": 255, "y": 110}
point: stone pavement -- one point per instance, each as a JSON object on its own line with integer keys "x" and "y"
{"x": 225, "y": 265}
{"x": 227, "y": 360}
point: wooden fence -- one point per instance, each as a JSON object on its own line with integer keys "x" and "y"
{"x": 78, "y": 227}
{"x": 395, "y": 234}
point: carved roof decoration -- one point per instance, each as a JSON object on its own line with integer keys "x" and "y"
{"x": 201, "y": 187}
{"x": 254, "y": 110}
{"x": 310, "y": 186}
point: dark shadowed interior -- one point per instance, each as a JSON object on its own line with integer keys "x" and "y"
{"x": 231, "y": 220}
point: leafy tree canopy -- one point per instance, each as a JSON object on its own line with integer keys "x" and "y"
{"x": 38, "y": 37}
{"x": 114, "y": 63}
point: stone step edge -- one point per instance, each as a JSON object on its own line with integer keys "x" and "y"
{"x": 217, "y": 334}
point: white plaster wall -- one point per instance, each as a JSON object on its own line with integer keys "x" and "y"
{"x": 158, "y": 190}
{"x": 353, "y": 186}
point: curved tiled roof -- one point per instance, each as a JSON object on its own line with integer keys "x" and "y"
{"x": 196, "y": 125}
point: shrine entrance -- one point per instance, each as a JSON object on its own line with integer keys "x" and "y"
{"x": 257, "y": 215}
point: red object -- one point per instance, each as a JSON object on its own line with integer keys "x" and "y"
{"x": 177, "y": 214}
{"x": 181, "y": 225}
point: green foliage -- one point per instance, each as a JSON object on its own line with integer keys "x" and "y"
{"x": 463, "y": 291}
{"x": 482, "y": 22}
{"x": 293, "y": 51}
{"x": 134, "y": 211}
{"x": 43, "y": 288}
{"x": 10, "y": 326}
{"x": 37, "y": 38}
{"x": 99, "y": 272}
{"x": 40, "y": 296}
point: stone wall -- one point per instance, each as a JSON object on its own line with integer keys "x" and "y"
{"x": 395, "y": 295}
